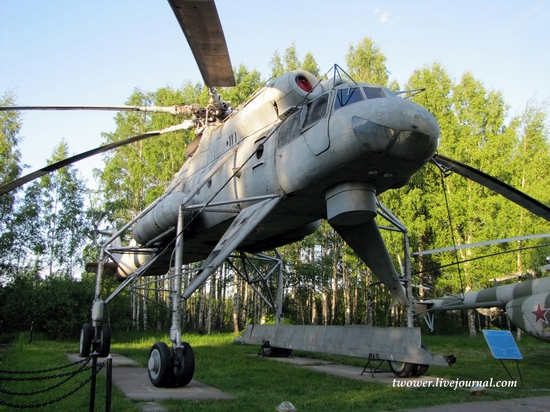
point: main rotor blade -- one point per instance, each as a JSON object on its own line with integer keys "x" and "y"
{"x": 201, "y": 25}
{"x": 70, "y": 160}
{"x": 175, "y": 110}
{"x": 509, "y": 192}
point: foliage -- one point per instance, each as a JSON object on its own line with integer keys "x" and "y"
{"x": 10, "y": 169}
{"x": 290, "y": 61}
{"x": 366, "y": 63}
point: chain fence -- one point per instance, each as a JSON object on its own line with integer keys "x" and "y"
{"x": 22, "y": 376}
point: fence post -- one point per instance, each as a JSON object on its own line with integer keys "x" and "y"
{"x": 92, "y": 385}
{"x": 30, "y": 337}
{"x": 109, "y": 361}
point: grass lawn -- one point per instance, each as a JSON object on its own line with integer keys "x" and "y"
{"x": 262, "y": 384}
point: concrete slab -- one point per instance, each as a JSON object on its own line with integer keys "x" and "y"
{"x": 135, "y": 384}
{"x": 348, "y": 372}
{"x": 133, "y": 380}
{"x": 118, "y": 360}
{"x": 300, "y": 361}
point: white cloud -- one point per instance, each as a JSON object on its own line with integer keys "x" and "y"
{"x": 385, "y": 17}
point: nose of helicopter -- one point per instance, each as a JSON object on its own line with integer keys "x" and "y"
{"x": 398, "y": 129}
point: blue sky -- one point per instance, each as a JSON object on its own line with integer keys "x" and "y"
{"x": 97, "y": 52}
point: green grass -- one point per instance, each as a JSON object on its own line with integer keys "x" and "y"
{"x": 42, "y": 354}
{"x": 261, "y": 384}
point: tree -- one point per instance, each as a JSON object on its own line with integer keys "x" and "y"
{"x": 291, "y": 61}
{"x": 136, "y": 174}
{"x": 366, "y": 63}
{"x": 10, "y": 169}
{"x": 63, "y": 216}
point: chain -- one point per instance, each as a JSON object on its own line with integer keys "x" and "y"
{"x": 71, "y": 375}
{"x": 85, "y": 360}
{"x": 40, "y": 405}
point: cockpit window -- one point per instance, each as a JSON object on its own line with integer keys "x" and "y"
{"x": 289, "y": 130}
{"x": 374, "y": 92}
{"x": 347, "y": 96}
{"x": 314, "y": 111}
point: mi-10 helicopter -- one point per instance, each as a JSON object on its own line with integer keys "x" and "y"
{"x": 257, "y": 177}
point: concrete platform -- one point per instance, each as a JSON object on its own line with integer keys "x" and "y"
{"x": 348, "y": 372}
{"x": 133, "y": 380}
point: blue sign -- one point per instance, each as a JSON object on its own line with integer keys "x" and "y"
{"x": 502, "y": 344}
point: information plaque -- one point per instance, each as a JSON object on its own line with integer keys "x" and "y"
{"x": 502, "y": 344}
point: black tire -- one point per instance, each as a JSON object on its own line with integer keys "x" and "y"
{"x": 104, "y": 347}
{"x": 85, "y": 343}
{"x": 183, "y": 365}
{"x": 419, "y": 370}
{"x": 160, "y": 365}
{"x": 401, "y": 369}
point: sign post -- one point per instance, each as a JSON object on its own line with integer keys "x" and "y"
{"x": 503, "y": 346}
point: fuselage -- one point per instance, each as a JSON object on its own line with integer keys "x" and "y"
{"x": 295, "y": 143}
{"x": 527, "y": 304}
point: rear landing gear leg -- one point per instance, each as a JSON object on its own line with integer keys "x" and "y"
{"x": 178, "y": 368}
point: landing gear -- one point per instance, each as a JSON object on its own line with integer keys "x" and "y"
{"x": 87, "y": 341}
{"x": 171, "y": 370}
{"x": 104, "y": 347}
{"x": 159, "y": 365}
{"x": 183, "y": 365}
{"x": 405, "y": 369}
{"x": 85, "y": 345}
{"x": 401, "y": 369}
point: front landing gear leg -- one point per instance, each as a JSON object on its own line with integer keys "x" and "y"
{"x": 178, "y": 368}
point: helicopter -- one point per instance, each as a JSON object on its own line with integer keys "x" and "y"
{"x": 260, "y": 176}
{"x": 526, "y": 302}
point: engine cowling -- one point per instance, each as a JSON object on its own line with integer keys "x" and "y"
{"x": 293, "y": 89}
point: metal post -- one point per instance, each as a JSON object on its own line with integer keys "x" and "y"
{"x": 279, "y": 315}
{"x": 408, "y": 279}
{"x": 175, "y": 329}
{"x": 109, "y": 387}
{"x": 92, "y": 385}
{"x": 30, "y": 337}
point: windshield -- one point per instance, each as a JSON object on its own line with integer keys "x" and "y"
{"x": 347, "y": 96}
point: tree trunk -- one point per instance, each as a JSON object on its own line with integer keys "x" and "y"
{"x": 472, "y": 322}
{"x": 324, "y": 301}
{"x": 347, "y": 298}
{"x": 235, "y": 309}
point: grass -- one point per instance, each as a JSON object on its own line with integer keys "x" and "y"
{"x": 261, "y": 384}
{"x": 42, "y": 354}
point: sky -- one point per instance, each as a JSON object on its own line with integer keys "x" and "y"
{"x": 97, "y": 52}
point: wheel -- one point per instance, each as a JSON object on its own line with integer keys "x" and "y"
{"x": 104, "y": 341}
{"x": 401, "y": 369}
{"x": 183, "y": 365}
{"x": 85, "y": 340}
{"x": 419, "y": 370}
{"x": 160, "y": 365}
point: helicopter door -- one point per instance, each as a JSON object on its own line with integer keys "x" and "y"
{"x": 315, "y": 124}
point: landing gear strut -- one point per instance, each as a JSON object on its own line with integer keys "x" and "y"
{"x": 174, "y": 369}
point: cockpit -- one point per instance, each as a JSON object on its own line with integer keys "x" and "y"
{"x": 350, "y": 95}
{"x": 313, "y": 112}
